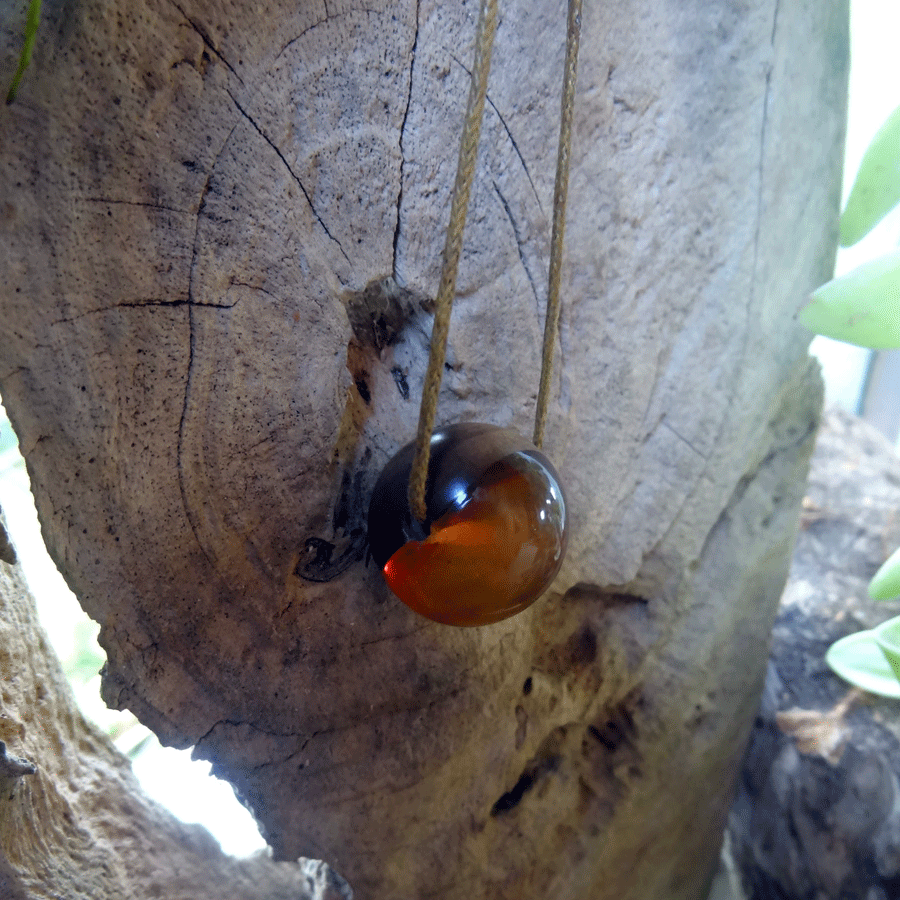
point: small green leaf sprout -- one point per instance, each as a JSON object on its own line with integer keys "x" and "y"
{"x": 31, "y": 26}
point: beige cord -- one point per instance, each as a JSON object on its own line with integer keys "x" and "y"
{"x": 465, "y": 172}
{"x": 560, "y": 195}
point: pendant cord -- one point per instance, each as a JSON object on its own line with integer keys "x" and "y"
{"x": 465, "y": 173}
{"x": 560, "y": 196}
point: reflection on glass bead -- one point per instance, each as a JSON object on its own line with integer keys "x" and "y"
{"x": 495, "y": 531}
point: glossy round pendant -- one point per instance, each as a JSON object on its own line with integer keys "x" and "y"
{"x": 495, "y": 531}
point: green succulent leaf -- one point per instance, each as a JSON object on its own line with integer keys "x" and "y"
{"x": 858, "y": 659}
{"x": 861, "y": 307}
{"x": 886, "y": 583}
{"x": 887, "y": 636}
{"x": 876, "y": 190}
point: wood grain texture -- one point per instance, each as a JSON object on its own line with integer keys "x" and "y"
{"x": 222, "y": 232}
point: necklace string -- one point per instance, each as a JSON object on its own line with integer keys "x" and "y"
{"x": 560, "y": 196}
{"x": 465, "y": 173}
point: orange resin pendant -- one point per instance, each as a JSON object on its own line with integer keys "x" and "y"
{"x": 495, "y": 532}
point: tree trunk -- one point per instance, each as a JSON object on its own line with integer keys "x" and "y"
{"x": 222, "y": 230}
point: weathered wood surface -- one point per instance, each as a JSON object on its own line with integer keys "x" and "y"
{"x": 73, "y": 820}
{"x": 804, "y": 825}
{"x": 219, "y": 238}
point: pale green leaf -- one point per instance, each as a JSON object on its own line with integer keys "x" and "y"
{"x": 858, "y": 659}
{"x": 876, "y": 190}
{"x": 861, "y": 307}
{"x": 886, "y": 583}
{"x": 887, "y": 636}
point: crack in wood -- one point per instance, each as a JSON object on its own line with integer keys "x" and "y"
{"x": 329, "y": 16}
{"x": 412, "y": 63}
{"x": 664, "y": 423}
{"x": 293, "y": 174}
{"x": 151, "y": 303}
{"x": 519, "y": 243}
{"x": 509, "y": 134}
{"x": 751, "y": 299}
{"x": 201, "y": 31}
{"x": 112, "y": 202}
{"x": 189, "y": 512}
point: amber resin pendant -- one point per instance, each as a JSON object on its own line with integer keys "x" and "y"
{"x": 495, "y": 531}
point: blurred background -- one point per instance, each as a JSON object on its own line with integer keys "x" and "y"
{"x": 864, "y": 382}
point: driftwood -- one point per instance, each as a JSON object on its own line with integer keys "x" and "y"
{"x": 822, "y": 818}
{"x": 220, "y": 234}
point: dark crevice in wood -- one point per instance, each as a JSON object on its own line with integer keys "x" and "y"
{"x": 412, "y": 64}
